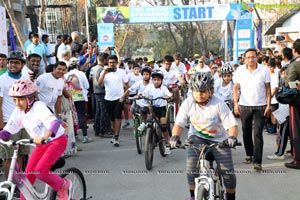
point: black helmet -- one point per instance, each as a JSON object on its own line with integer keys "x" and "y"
{"x": 18, "y": 55}
{"x": 201, "y": 81}
{"x": 146, "y": 69}
{"x": 226, "y": 69}
{"x": 157, "y": 73}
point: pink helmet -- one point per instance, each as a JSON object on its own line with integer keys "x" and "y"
{"x": 22, "y": 88}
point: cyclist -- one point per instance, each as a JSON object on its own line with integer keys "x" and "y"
{"x": 155, "y": 90}
{"x": 45, "y": 126}
{"x": 223, "y": 87}
{"x": 138, "y": 88}
{"x": 171, "y": 78}
{"x": 210, "y": 119}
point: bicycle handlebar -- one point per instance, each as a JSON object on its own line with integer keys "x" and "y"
{"x": 189, "y": 143}
{"x": 149, "y": 99}
{"x": 22, "y": 142}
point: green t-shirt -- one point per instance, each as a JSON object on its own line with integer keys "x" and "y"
{"x": 2, "y": 71}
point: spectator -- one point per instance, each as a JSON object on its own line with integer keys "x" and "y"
{"x": 58, "y": 43}
{"x": 32, "y": 68}
{"x": 28, "y": 42}
{"x": 293, "y": 74}
{"x": 3, "y": 63}
{"x": 45, "y": 41}
{"x": 75, "y": 41}
{"x": 38, "y": 48}
{"x": 113, "y": 80}
{"x": 62, "y": 46}
{"x": 252, "y": 100}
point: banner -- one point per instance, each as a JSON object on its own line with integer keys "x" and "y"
{"x": 3, "y": 32}
{"x": 105, "y": 35}
{"x": 185, "y": 13}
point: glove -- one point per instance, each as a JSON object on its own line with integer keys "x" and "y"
{"x": 175, "y": 141}
{"x": 232, "y": 141}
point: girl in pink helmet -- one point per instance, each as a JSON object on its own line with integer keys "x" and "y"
{"x": 42, "y": 125}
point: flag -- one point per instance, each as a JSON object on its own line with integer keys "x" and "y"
{"x": 12, "y": 38}
{"x": 259, "y": 31}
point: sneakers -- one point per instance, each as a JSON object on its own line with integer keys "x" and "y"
{"x": 85, "y": 139}
{"x": 65, "y": 190}
{"x": 257, "y": 167}
{"x": 126, "y": 123}
{"x": 191, "y": 198}
{"x": 115, "y": 142}
{"x": 167, "y": 150}
{"x": 292, "y": 165}
{"x": 142, "y": 127}
{"x": 275, "y": 157}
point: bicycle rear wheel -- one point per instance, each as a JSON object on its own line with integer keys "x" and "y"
{"x": 170, "y": 119}
{"x": 138, "y": 135}
{"x": 149, "y": 148}
{"x": 78, "y": 191}
{"x": 202, "y": 193}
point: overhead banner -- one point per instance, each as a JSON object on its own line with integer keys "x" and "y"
{"x": 186, "y": 13}
{"x": 105, "y": 35}
{"x": 3, "y": 32}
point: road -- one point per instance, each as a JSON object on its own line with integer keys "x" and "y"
{"x": 116, "y": 173}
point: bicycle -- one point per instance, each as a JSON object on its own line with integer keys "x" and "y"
{"x": 171, "y": 112}
{"x": 209, "y": 185}
{"x": 153, "y": 135}
{"x": 17, "y": 178}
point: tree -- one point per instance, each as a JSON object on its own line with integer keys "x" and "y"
{"x": 15, "y": 23}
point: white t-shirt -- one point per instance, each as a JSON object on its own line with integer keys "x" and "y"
{"x": 132, "y": 79}
{"x": 204, "y": 69}
{"x": 113, "y": 83}
{"x": 139, "y": 88}
{"x": 274, "y": 84}
{"x": 223, "y": 93}
{"x": 25, "y": 72}
{"x": 36, "y": 121}
{"x": 8, "y": 104}
{"x": 171, "y": 76}
{"x": 181, "y": 68}
{"x": 152, "y": 93}
{"x": 49, "y": 89}
{"x": 209, "y": 122}
{"x": 252, "y": 85}
{"x": 82, "y": 82}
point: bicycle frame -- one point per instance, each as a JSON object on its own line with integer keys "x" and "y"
{"x": 17, "y": 178}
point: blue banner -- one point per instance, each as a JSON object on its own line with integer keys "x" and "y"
{"x": 105, "y": 35}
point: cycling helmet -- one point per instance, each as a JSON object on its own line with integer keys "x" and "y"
{"x": 157, "y": 73}
{"x": 146, "y": 69}
{"x": 18, "y": 55}
{"x": 192, "y": 71}
{"x": 22, "y": 88}
{"x": 226, "y": 69}
{"x": 201, "y": 81}
{"x": 74, "y": 62}
{"x": 151, "y": 60}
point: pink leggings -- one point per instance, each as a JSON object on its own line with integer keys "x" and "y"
{"x": 41, "y": 160}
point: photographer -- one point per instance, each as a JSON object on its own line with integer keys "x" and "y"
{"x": 113, "y": 80}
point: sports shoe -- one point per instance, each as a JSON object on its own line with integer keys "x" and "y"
{"x": 115, "y": 142}
{"x": 126, "y": 123}
{"x": 275, "y": 157}
{"x": 292, "y": 165}
{"x": 167, "y": 150}
{"x": 142, "y": 127}
{"x": 64, "y": 191}
{"x": 85, "y": 139}
{"x": 257, "y": 166}
{"x": 191, "y": 198}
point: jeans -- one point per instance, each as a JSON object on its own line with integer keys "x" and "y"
{"x": 101, "y": 121}
{"x": 253, "y": 116}
{"x": 81, "y": 111}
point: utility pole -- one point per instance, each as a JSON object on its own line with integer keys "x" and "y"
{"x": 87, "y": 22}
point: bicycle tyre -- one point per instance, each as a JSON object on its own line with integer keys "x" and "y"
{"x": 149, "y": 148}
{"x": 202, "y": 193}
{"x": 78, "y": 184}
{"x": 170, "y": 119}
{"x": 138, "y": 136}
{"x": 160, "y": 141}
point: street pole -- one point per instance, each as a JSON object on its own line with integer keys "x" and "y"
{"x": 226, "y": 42}
{"x": 87, "y": 23}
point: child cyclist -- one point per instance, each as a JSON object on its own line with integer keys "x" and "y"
{"x": 210, "y": 119}
{"x": 155, "y": 90}
{"x": 41, "y": 124}
{"x": 223, "y": 87}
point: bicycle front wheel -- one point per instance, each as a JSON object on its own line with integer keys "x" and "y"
{"x": 138, "y": 136}
{"x": 149, "y": 148}
{"x": 202, "y": 193}
{"x": 78, "y": 191}
{"x": 170, "y": 119}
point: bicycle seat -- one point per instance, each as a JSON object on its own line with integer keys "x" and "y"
{"x": 60, "y": 163}
{"x": 210, "y": 157}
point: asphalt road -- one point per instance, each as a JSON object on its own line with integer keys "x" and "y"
{"x": 115, "y": 173}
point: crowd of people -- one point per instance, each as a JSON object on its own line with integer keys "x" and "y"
{"x": 86, "y": 83}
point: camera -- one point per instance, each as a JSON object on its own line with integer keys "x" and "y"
{"x": 280, "y": 38}
{"x": 111, "y": 48}
{"x": 111, "y": 69}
